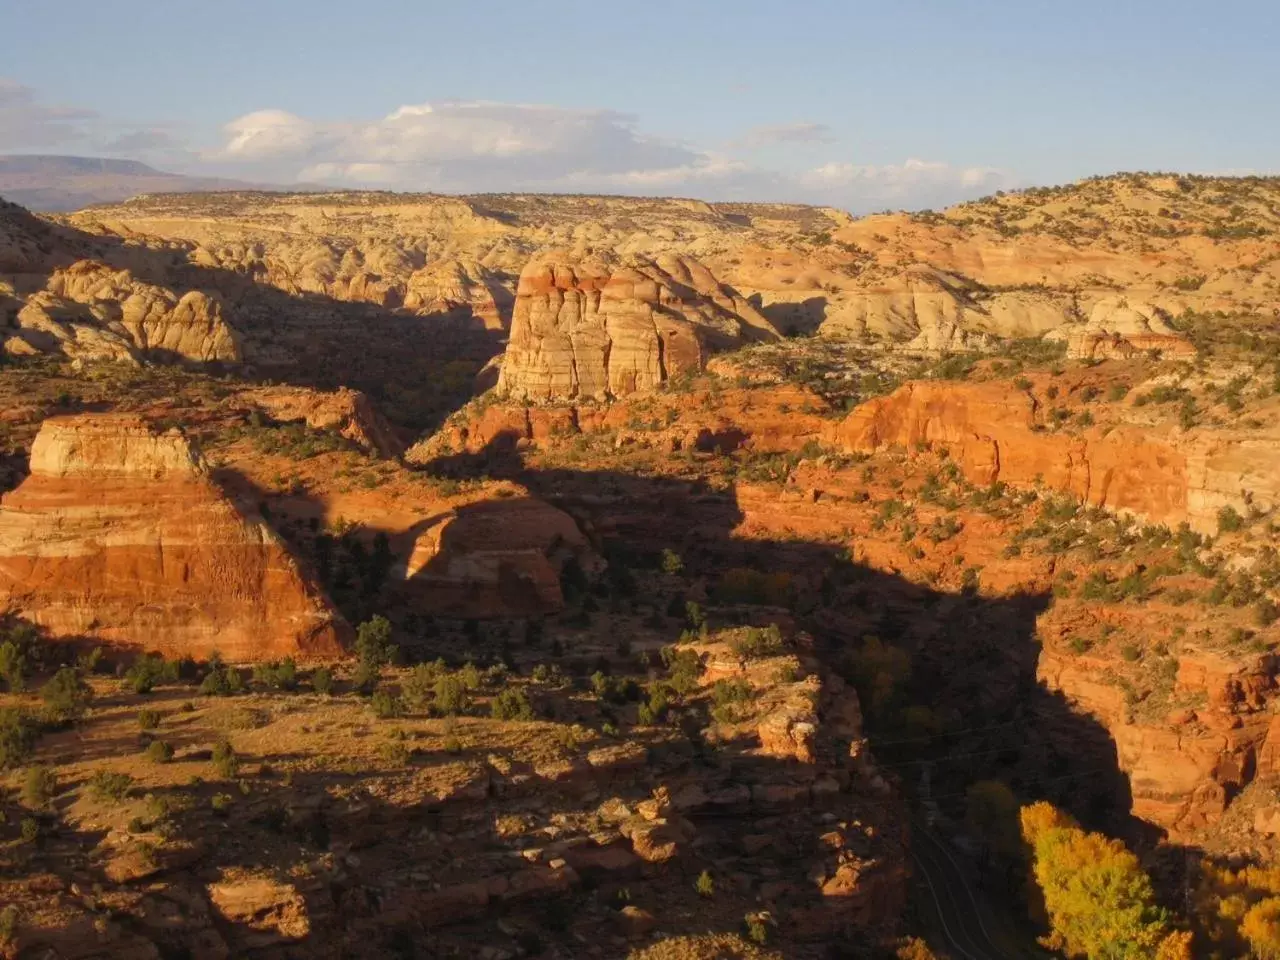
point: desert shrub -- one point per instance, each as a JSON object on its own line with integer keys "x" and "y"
{"x": 705, "y": 886}
{"x": 158, "y": 751}
{"x": 418, "y": 687}
{"x": 221, "y": 681}
{"x": 385, "y": 706}
{"x": 671, "y": 562}
{"x": 39, "y": 787}
{"x": 29, "y": 828}
{"x": 322, "y": 680}
{"x": 148, "y": 672}
{"x": 225, "y": 761}
{"x": 13, "y": 666}
{"x": 281, "y": 675}
{"x": 221, "y": 803}
{"x": 148, "y": 719}
{"x": 511, "y": 704}
{"x": 727, "y": 698}
{"x": 757, "y": 643}
{"x": 684, "y": 667}
{"x": 1229, "y": 521}
{"x": 106, "y": 786}
{"x": 470, "y": 676}
{"x": 451, "y": 696}
{"x": 373, "y": 643}
{"x": 17, "y": 737}
{"x": 66, "y": 696}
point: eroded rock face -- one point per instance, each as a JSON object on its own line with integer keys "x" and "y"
{"x": 90, "y": 311}
{"x": 599, "y": 327}
{"x": 120, "y": 534}
{"x": 989, "y": 429}
{"x": 1117, "y": 330}
{"x": 500, "y": 558}
{"x": 347, "y": 411}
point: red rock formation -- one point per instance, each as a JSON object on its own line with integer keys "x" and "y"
{"x": 119, "y": 534}
{"x": 989, "y": 430}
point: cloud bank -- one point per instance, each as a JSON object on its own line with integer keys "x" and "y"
{"x": 463, "y": 146}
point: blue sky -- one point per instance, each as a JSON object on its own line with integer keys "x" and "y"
{"x": 862, "y": 105}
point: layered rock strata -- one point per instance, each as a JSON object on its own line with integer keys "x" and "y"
{"x": 597, "y": 327}
{"x": 120, "y": 535}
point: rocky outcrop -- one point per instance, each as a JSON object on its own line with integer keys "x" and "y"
{"x": 1184, "y": 769}
{"x": 348, "y": 412}
{"x": 994, "y": 432}
{"x": 930, "y": 312}
{"x": 496, "y": 558}
{"x": 593, "y": 328}
{"x": 120, "y": 534}
{"x": 89, "y": 311}
{"x": 1118, "y": 330}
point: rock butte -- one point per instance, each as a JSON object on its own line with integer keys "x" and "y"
{"x": 593, "y": 328}
{"x": 120, "y": 535}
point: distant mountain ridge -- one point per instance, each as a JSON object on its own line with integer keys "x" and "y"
{"x": 56, "y": 184}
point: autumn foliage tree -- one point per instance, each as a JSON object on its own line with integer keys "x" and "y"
{"x": 1098, "y": 900}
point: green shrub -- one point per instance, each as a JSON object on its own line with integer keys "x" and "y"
{"x": 419, "y": 687}
{"x": 30, "y": 829}
{"x": 451, "y": 696}
{"x": 672, "y": 563}
{"x": 158, "y": 751}
{"x": 322, "y": 680}
{"x": 385, "y": 706}
{"x": 221, "y": 681}
{"x": 374, "y": 646}
{"x": 108, "y": 787}
{"x": 8, "y": 925}
{"x": 470, "y": 676}
{"x": 148, "y": 719}
{"x": 282, "y": 675}
{"x": 684, "y": 667}
{"x": 758, "y": 643}
{"x": 1229, "y": 521}
{"x": 222, "y": 803}
{"x": 39, "y": 787}
{"x": 511, "y": 704}
{"x": 225, "y": 761}
{"x": 66, "y": 696}
{"x": 13, "y": 666}
{"x": 149, "y": 671}
{"x": 17, "y": 737}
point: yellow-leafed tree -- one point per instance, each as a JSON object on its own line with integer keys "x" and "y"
{"x": 1098, "y": 899}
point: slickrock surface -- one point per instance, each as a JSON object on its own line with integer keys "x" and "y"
{"x": 119, "y": 534}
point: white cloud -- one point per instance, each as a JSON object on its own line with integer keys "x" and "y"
{"x": 477, "y": 145}
{"x": 456, "y": 145}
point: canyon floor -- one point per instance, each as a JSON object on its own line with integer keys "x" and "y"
{"x": 518, "y": 576}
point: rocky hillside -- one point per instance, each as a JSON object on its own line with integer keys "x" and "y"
{"x": 576, "y": 576}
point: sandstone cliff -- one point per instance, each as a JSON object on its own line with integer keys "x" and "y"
{"x": 995, "y": 432}
{"x": 596, "y": 327}
{"x": 120, "y": 535}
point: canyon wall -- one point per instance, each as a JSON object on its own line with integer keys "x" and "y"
{"x": 120, "y": 535}
{"x": 996, "y": 432}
